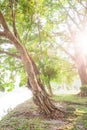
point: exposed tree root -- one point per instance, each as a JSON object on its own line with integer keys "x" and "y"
{"x": 46, "y": 106}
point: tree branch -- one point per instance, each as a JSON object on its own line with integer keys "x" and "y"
{"x": 82, "y": 5}
{"x": 39, "y": 30}
{"x": 69, "y": 28}
{"x": 68, "y": 53}
{"x": 13, "y": 9}
{"x": 2, "y": 21}
{"x": 10, "y": 54}
{"x": 64, "y": 50}
{"x": 76, "y": 24}
{"x": 74, "y": 8}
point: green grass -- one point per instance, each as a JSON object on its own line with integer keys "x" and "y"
{"x": 20, "y": 119}
{"x": 80, "y": 102}
{"x": 21, "y": 123}
{"x": 80, "y": 110}
{"x": 81, "y": 123}
{"x": 70, "y": 98}
{"x": 76, "y": 116}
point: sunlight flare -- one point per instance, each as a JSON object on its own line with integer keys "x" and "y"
{"x": 81, "y": 39}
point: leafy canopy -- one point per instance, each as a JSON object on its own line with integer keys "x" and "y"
{"x": 41, "y": 25}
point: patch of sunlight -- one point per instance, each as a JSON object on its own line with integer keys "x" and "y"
{"x": 11, "y": 99}
{"x": 68, "y": 127}
{"x": 79, "y": 112}
{"x": 81, "y": 39}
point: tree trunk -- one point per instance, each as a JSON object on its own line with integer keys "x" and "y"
{"x": 42, "y": 99}
{"x": 82, "y": 73}
{"x": 81, "y": 61}
{"x": 50, "y": 89}
{"x": 40, "y": 96}
{"x": 46, "y": 106}
{"x": 82, "y": 70}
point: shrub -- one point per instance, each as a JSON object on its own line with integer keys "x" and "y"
{"x": 84, "y": 90}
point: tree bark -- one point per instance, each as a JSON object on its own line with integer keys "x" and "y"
{"x": 50, "y": 89}
{"x": 81, "y": 62}
{"x": 82, "y": 71}
{"x": 41, "y": 98}
{"x": 82, "y": 68}
{"x": 83, "y": 74}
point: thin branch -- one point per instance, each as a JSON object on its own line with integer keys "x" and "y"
{"x": 76, "y": 24}
{"x": 26, "y": 38}
{"x": 69, "y": 28}
{"x": 9, "y": 35}
{"x": 39, "y": 30}
{"x": 68, "y": 53}
{"x": 13, "y": 9}
{"x": 85, "y": 15}
{"x": 38, "y": 23}
{"x": 82, "y": 5}
{"x": 10, "y": 54}
{"x": 64, "y": 50}
{"x": 74, "y": 8}
{"x": 2, "y": 21}
{"x": 71, "y": 32}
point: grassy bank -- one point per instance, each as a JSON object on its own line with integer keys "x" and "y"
{"x": 25, "y": 116}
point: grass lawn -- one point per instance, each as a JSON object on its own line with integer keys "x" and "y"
{"x": 78, "y": 107}
{"x": 70, "y": 98}
{"x": 26, "y": 117}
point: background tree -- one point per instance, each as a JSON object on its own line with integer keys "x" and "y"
{"x": 69, "y": 31}
{"x": 59, "y": 71}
